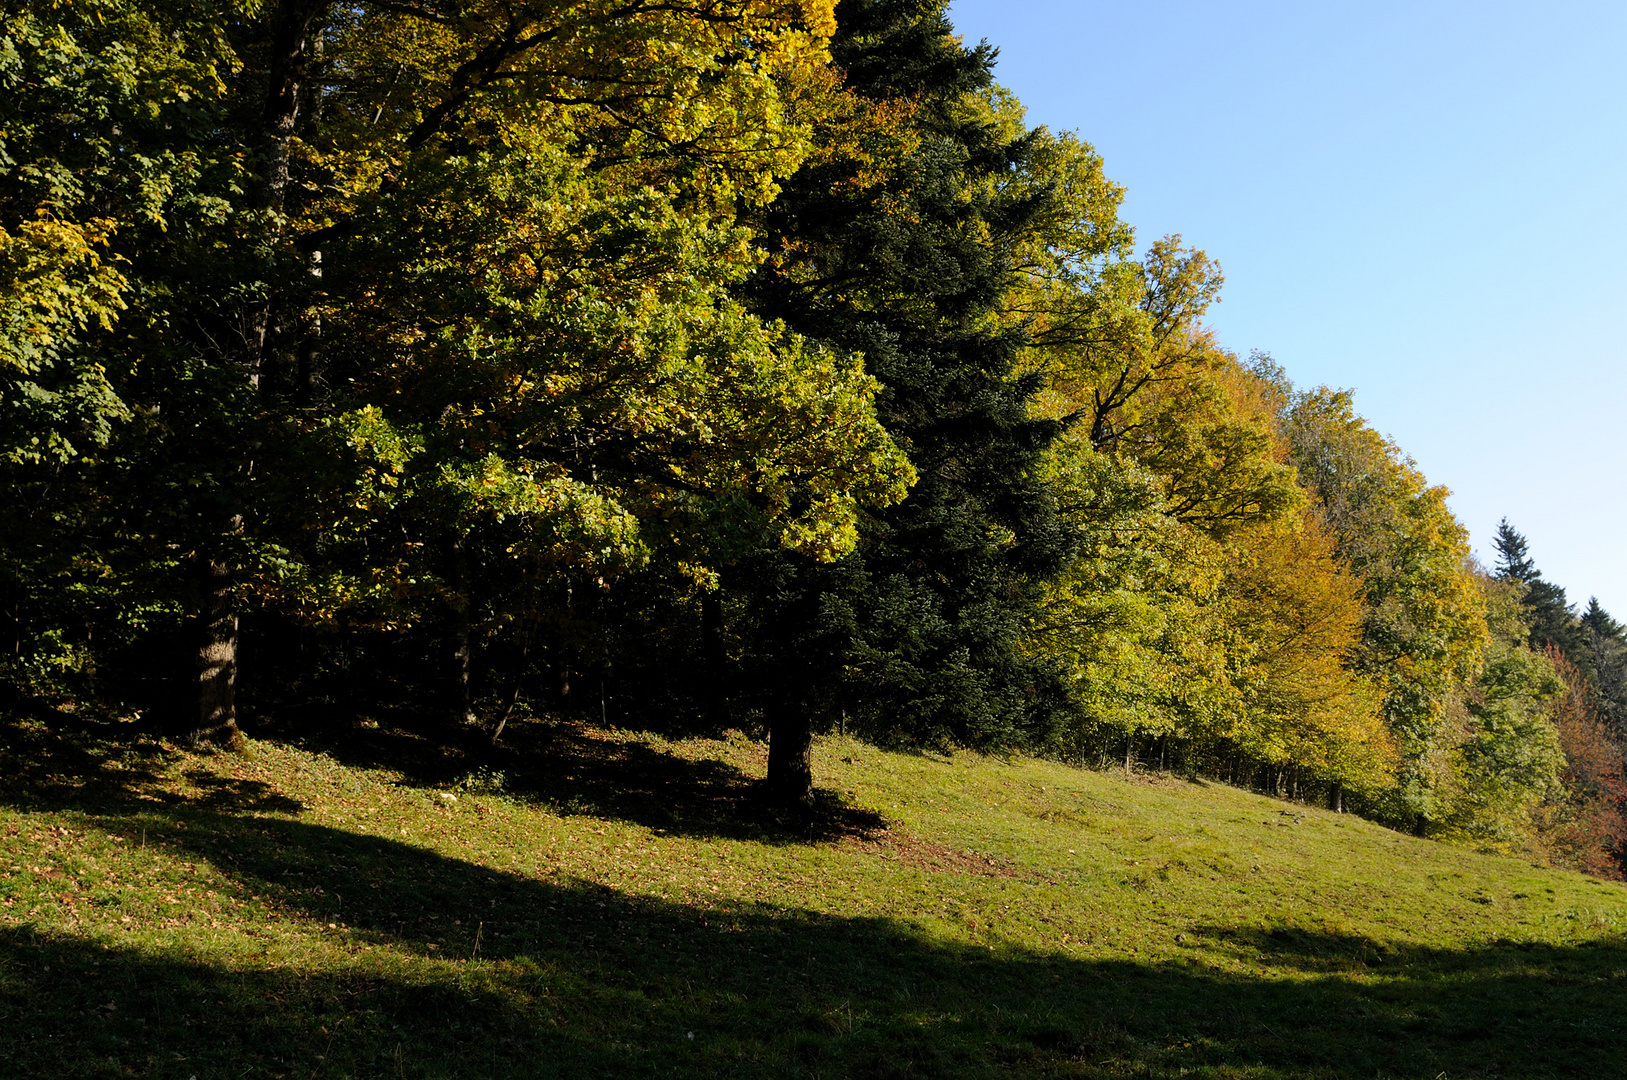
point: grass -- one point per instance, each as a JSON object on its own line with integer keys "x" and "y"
{"x": 620, "y": 908}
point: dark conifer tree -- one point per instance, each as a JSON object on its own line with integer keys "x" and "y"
{"x": 1606, "y": 643}
{"x": 913, "y": 639}
{"x": 1548, "y": 613}
{"x": 1513, "y": 562}
{"x": 1598, "y": 621}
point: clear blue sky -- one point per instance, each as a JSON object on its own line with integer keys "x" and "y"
{"x": 1423, "y": 201}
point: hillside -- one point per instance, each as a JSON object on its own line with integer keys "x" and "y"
{"x": 624, "y": 911}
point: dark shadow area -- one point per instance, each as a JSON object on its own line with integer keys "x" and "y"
{"x": 570, "y": 767}
{"x": 577, "y": 769}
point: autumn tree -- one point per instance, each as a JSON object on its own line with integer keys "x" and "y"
{"x": 1584, "y": 823}
{"x": 474, "y": 262}
{"x": 1423, "y": 629}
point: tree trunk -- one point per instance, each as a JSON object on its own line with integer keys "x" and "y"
{"x": 288, "y": 50}
{"x": 562, "y": 655}
{"x": 462, "y": 707}
{"x": 1420, "y": 828}
{"x": 1336, "y": 798}
{"x": 458, "y": 689}
{"x": 217, "y": 662}
{"x": 310, "y": 347}
{"x": 715, "y": 696}
{"x": 514, "y": 695}
{"x": 790, "y": 757}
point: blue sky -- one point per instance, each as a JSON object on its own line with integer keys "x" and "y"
{"x": 1423, "y": 201}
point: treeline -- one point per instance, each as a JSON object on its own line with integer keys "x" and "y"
{"x": 718, "y": 363}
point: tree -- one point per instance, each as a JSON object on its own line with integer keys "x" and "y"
{"x": 110, "y": 152}
{"x": 1585, "y": 822}
{"x": 1424, "y": 631}
{"x": 1502, "y": 758}
{"x": 1607, "y": 654}
{"x": 903, "y": 251}
{"x": 1513, "y": 562}
{"x": 463, "y": 282}
{"x": 1297, "y": 615}
{"x": 1547, "y": 614}
{"x": 1168, "y": 457}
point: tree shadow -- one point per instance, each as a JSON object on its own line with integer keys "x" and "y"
{"x": 54, "y": 760}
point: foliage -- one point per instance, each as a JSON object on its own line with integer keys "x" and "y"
{"x": 1549, "y": 616}
{"x": 1507, "y": 759}
{"x": 1424, "y": 632}
{"x": 1296, "y": 615}
{"x": 1586, "y": 825}
{"x": 102, "y": 104}
{"x": 903, "y": 253}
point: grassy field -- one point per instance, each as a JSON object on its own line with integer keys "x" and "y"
{"x": 621, "y": 908}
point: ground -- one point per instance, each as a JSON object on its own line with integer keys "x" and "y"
{"x": 614, "y": 904}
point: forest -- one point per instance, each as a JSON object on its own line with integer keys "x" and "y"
{"x": 705, "y": 366}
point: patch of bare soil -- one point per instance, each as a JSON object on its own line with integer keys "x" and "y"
{"x": 933, "y": 857}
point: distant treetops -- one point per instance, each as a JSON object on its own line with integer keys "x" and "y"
{"x": 741, "y": 363}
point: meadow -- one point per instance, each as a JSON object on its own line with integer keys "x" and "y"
{"x": 604, "y": 903}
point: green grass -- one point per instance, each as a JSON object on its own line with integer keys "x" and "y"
{"x": 620, "y": 908}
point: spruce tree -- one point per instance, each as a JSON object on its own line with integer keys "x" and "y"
{"x": 1513, "y": 563}
{"x": 1547, "y": 612}
{"x": 914, "y": 638}
{"x": 1606, "y": 643}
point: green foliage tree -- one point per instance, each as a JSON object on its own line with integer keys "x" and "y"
{"x": 466, "y": 286}
{"x": 1548, "y": 615}
{"x": 1424, "y": 630}
{"x": 1607, "y": 651}
{"x": 903, "y": 251}
{"x": 110, "y": 153}
{"x": 1506, "y": 760}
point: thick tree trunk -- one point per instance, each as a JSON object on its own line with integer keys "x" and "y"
{"x": 459, "y": 693}
{"x": 715, "y": 695}
{"x": 1336, "y": 798}
{"x": 217, "y": 662}
{"x": 790, "y": 757}
{"x": 289, "y": 47}
{"x": 1420, "y": 827}
{"x": 562, "y": 655}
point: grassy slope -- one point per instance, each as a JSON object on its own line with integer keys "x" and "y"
{"x": 623, "y": 912}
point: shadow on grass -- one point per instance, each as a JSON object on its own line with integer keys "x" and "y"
{"x": 570, "y": 767}
{"x": 577, "y": 980}
{"x": 576, "y": 768}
